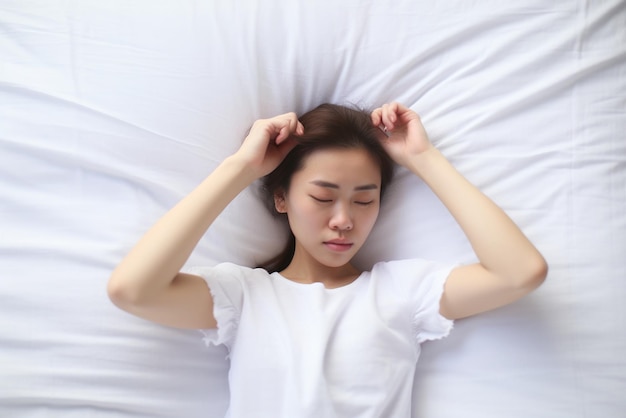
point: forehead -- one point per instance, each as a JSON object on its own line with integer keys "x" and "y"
{"x": 353, "y": 166}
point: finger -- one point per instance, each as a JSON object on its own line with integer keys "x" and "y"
{"x": 286, "y": 146}
{"x": 279, "y": 127}
{"x": 292, "y": 121}
{"x": 388, "y": 116}
{"x": 283, "y": 134}
{"x": 289, "y": 124}
{"x": 402, "y": 112}
{"x": 394, "y": 109}
{"x": 376, "y": 116}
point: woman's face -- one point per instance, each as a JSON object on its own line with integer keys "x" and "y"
{"x": 332, "y": 204}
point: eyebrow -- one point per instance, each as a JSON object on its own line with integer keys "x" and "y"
{"x": 330, "y": 185}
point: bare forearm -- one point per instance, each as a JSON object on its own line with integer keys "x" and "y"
{"x": 158, "y": 257}
{"x": 500, "y": 245}
{"x": 509, "y": 265}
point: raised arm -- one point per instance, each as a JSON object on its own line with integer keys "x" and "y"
{"x": 509, "y": 265}
{"x": 148, "y": 282}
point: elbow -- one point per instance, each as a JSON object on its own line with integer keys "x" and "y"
{"x": 535, "y": 273}
{"x": 117, "y": 292}
{"x": 121, "y": 293}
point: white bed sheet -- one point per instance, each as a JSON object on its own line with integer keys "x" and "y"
{"x": 112, "y": 111}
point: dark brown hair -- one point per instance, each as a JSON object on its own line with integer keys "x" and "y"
{"x": 326, "y": 126}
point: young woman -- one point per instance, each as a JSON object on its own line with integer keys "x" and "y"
{"x": 314, "y": 336}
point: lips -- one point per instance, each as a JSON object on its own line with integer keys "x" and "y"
{"x": 338, "y": 245}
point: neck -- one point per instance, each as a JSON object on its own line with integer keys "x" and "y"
{"x": 303, "y": 269}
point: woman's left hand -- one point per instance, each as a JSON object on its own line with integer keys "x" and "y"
{"x": 405, "y": 136}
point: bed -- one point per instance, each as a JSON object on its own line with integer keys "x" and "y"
{"x": 110, "y": 112}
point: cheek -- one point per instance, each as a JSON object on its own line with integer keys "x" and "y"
{"x": 368, "y": 219}
{"x": 306, "y": 214}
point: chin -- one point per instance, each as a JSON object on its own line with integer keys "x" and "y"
{"x": 336, "y": 262}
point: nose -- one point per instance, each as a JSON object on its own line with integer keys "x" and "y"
{"x": 341, "y": 219}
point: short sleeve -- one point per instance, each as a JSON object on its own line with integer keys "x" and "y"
{"x": 420, "y": 284}
{"x": 226, "y": 287}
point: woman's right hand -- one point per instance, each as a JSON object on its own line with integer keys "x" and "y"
{"x": 268, "y": 143}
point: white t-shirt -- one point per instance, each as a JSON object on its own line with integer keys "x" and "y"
{"x": 301, "y": 350}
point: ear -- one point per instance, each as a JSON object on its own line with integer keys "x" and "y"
{"x": 279, "y": 202}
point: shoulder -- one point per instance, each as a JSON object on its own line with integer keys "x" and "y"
{"x": 410, "y": 268}
{"x": 418, "y": 285}
{"x": 413, "y": 288}
{"x": 411, "y": 278}
{"x": 227, "y": 271}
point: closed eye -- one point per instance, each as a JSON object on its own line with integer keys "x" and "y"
{"x": 365, "y": 203}
{"x": 321, "y": 200}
